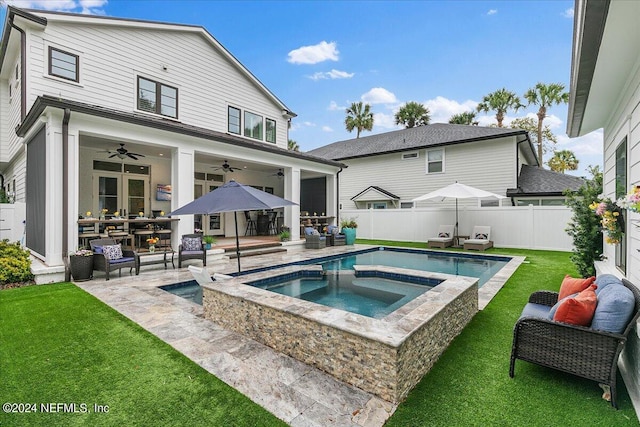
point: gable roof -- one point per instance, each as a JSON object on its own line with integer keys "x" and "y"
{"x": 437, "y": 134}
{"x": 535, "y": 181}
{"x": 372, "y": 193}
{"x": 42, "y": 17}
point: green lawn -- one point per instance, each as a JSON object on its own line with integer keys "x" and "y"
{"x": 60, "y": 345}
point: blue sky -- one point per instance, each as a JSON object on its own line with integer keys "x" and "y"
{"x": 320, "y": 56}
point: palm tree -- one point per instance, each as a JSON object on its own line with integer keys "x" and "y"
{"x": 413, "y": 114}
{"x": 563, "y": 160}
{"x": 466, "y": 118}
{"x": 359, "y": 117}
{"x": 292, "y": 145}
{"x": 545, "y": 96}
{"x": 500, "y": 101}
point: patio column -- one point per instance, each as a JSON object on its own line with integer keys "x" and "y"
{"x": 332, "y": 194}
{"x": 292, "y": 193}
{"x": 182, "y": 168}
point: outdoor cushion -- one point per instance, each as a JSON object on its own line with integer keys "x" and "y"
{"x": 553, "y": 310}
{"x": 535, "y": 310}
{"x": 578, "y": 310}
{"x": 332, "y": 229}
{"x": 615, "y": 308}
{"x": 604, "y": 280}
{"x": 315, "y": 233}
{"x": 121, "y": 260}
{"x": 97, "y": 249}
{"x": 112, "y": 252}
{"x": 191, "y": 252}
{"x": 572, "y": 285}
{"x": 308, "y": 231}
{"x": 191, "y": 244}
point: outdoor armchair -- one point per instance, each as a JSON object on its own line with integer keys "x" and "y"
{"x": 191, "y": 247}
{"x": 444, "y": 238}
{"x": 313, "y": 239}
{"x": 109, "y": 256}
{"x": 480, "y": 238}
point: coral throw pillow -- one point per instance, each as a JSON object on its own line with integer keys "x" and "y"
{"x": 572, "y": 285}
{"x": 578, "y": 310}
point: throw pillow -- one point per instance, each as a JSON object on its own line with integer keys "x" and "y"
{"x": 615, "y": 308}
{"x": 553, "y": 310}
{"x": 481, "y": 236}
{"x": 308, "y": 231}
{"x": 442, "y": 234}
{"x": 112, "y": 252}
{"x": 579, "y": 310}
{"x": 572, "y": 285}
{"x": 315, "y": 233}
{"x": 191, "y": 244}
{"x": 97, "y": 249}
{"x": 605, "y": 280}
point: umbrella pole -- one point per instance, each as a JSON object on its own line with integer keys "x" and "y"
{"x": 235, "y": 217}
{"x": 457, "y": 231}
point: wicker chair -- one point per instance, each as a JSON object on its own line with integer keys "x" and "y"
{"x": 185, "y": 254}
{"x": 102, "y": 263}
{"x": 581, "y": 351}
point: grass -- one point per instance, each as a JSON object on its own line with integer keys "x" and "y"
{"x": 470, "y": 384}
{"x": 59, "y": 344}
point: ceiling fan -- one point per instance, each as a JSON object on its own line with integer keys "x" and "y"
{"x": 279, "y": 174}
{"x": 226, "y": 167}
{"x": 123, "y": 153}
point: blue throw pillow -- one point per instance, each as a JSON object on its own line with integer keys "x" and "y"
{"x": 97, "y": 249}
{"x": 308, "y": 231}
{"x": 604, "y": 280}
{"x": 615, "y": 308}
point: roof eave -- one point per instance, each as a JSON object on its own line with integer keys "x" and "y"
{"x": 12, "y": 12}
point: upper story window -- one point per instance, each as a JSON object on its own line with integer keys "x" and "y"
{"x": 157, "y": 98}
{"x": 270, "y": 130}
{"x": 234, "y": 120}
{"x": 64, "y": 64}
{"x": 435, "y": 161}
{"x": 252, "y": 125}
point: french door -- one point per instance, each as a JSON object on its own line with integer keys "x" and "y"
{"x": 126, "y": 193}
{"x": 209, "y": 224}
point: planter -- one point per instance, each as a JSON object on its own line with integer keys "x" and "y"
{"x": 350, "y": 235}
{"x": 81, "y": 267}
{"x": 207, "y": 246}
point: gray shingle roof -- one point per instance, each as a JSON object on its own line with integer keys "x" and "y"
{"x": 411, "y": 139}
{"x": 542, "y": 182}
{"x": 379, "y": 189}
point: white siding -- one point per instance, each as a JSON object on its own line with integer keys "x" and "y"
{"x": 10, "y": 144}
{"x": 489, "y": 165}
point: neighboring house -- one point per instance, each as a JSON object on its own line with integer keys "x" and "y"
{"x": 605, "y": 93}
{"x": 74, "y": 88}
{"x": 542, "y": 187}
{"x": 388, "y": 170}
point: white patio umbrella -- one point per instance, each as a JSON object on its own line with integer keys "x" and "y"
{"x": 458, "y": 191}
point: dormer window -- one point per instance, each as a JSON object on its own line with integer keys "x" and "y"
{"x": 158, "y": 98}
{"x": 64, "y": 64}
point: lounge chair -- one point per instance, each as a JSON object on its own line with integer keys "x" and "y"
{"x": 444, "y": 238}
{"x": 109, "y": 256}
{"x": 191, "y": 247}
{"x": 480, "y": 239}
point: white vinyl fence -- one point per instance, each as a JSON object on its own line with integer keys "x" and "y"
{"x": 526, "y": 227}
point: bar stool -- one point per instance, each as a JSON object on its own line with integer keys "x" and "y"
{"x": 142, "y": 233}
{"x": 84, "y": 238}
{"x": 120, "y": 236}
{"x": 251, "y": 224}
{"x": 164, "y": 237}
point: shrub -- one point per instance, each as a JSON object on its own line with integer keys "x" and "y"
{"x": 15, "y": 265}
{"x": 585, "y": 226}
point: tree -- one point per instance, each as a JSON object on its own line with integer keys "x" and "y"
{"x": 413, "y": 114}
{"x": 466, "y": 118}
{"x": 359, "y": 117}
{"x": 545, "y": 96}
{"x": 585, "y": 227}
{"x": 563, "y": 160}
{"x": 292, "y": 145}
{"x": 500, "y": 101}
{"x": 531, "y": 126}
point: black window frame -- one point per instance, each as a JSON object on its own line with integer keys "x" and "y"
{"x": 250, "y": 134}
{"x": 50, "y": 66}
{"x": 158, "y": 101}
{"x": 266, "y": 130}
{"x": 621, "y": 177}
{"x": 229, "y": 108}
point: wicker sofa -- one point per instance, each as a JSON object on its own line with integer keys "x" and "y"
{"x": 583, "y": 351}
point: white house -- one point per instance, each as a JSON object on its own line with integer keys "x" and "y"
{"x": 390, "y": 169}
{"x": 605, "y": 93}
{"x": 79, "y": 94}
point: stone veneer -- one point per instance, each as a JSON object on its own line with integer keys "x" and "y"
{"x": 386, "y": 357}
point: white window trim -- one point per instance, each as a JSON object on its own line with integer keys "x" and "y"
{"x": 427, "y": 161}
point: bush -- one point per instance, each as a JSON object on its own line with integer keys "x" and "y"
{"x": 15, "y": 264}
{"x": 585, "y": 227}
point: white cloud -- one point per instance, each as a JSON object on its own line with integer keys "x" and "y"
{"x": 589, "y": 144}
{"x": 379, "y": 95}
{"x": 442, "y": 108}
{"x": 326, "y": 129}
{"x": 320, "y": 52}
{"x": 333, "y": 74}
{"x": 309, "y": 124}
{"x": 385, "y": 121}
{"x": 333, "y": 106}
{"x": 568, "y": 13}
{"x": 82, "y": 6}
{"x": 492, "y": 11}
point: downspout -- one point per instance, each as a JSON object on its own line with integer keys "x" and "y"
{"x": 513, "y": 203}
{"x": 338, "y": 198}
{"x": 65, "y": 191}
{"x": 23, "y": 70}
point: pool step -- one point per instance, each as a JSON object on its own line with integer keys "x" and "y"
{"x": 254, "y": 252}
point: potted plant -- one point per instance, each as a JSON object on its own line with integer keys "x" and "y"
{"x": 81, "y": 264}
{"x": 152, "y": 243}
{"x": 285, "y": 235}
{"x": 349, "y": 226}
{"x": 208, "y": 241}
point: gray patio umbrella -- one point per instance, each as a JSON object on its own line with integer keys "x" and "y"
{"x": 458, "y": 191}
{"x": 232, "y": 197}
